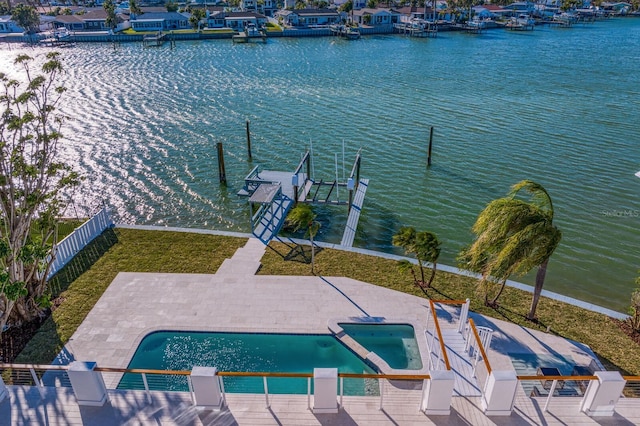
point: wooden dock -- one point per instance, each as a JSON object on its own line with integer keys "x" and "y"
{"x": 354, "y": 214}
{"x": 426, "y": 29}
{"x": 273, "y": 193}
{"x": 154, "y": 40}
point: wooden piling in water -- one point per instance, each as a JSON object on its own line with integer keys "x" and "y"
{"x": 221, "y": 171}
{"x": 248, "y": 140}
{"x": 430, "y": 146}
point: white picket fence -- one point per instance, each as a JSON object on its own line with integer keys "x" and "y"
{"x": 78, "y": 239}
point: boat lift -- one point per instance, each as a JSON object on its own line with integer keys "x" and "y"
{"x": 273, "y": 193}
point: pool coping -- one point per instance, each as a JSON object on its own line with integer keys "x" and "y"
{"x": 373, "y": 358}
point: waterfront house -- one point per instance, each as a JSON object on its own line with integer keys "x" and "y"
{"x": 249, "y": 5}
{"x": 376, "y": 17}
{"x": 266, "y": 7}
{"x": 489, "y": 11}
{"x": 8, "y": 26}
{"x": 517, "y": 8}
{"x": 160, "y": 21}
{"x": 96, "y": 20}
{"x": 239, "y": 20}
{"x": 70, "y": 22}
{"x": 359, "y": 4}
{"x": 412, "y": 13}
{"x": 309, "y": 18}
{"x": 618, "y": 8}
{"x": 216, "y": 19}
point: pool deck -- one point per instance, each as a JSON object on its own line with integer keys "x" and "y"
{"x": 237, "y": 300}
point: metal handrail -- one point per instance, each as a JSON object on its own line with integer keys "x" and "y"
{"x": 485, "y": 359}
{"x": 437, "y": 325}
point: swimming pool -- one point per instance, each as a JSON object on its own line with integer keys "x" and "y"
{"x": 264, "y": 352}
{"x": 396, "y": 344}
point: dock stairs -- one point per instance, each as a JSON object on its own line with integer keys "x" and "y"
{"x": 245, "y": 261}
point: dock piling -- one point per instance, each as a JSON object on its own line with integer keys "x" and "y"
{"x": 248, "y": 140}
{"x": 221, "y": 171}
{"x": 430, "y": 146}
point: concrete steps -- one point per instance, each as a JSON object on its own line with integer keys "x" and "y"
{"x": 245, "y": 261}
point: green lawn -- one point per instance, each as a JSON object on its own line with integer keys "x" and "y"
{"x": 82, "y": 283}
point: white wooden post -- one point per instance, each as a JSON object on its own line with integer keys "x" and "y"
{"x": 436, "y": 398}
{"x": 602, "y": 395}
{"x": 464, "y": 314}
{"x": 499, "y": 393}
{"x": 325, "y": 390}
{"x": 88, "y": 385}
{"x": 206, "y": 388}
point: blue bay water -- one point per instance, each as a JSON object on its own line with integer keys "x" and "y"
{"x": 558, "y": 106}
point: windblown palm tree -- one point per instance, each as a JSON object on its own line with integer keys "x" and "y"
{"x": 425, "y": 246}
{"x": 513, "y": 236}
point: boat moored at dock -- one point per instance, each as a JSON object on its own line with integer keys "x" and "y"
{"x": 345, "y": 31}
{"x": 250, "y": 33}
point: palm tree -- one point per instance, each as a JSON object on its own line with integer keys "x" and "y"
{"x": 513, "y": 236}
{"x": 302, "y": 217}
{"x": 634, "y": 319}
{"x": 425, "y": 246}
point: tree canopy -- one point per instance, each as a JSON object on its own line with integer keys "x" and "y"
{"x": 26, "y": 16}
{"x": 197, "y": 15}
{"x": 110, "y": 7}
{"x": 425, "y": 246}
{"x": 4, "y": 8}
{"x": 134, "y": 8}
{"x": 171, "y": 6}
{"x": 303, "y": 217}
{"x": 513, "y": 236}
{"x": 32, "y": 185}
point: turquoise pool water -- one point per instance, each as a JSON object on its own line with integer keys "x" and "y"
{"x": 295, "y": 353}
{"x": 394, "y": 343}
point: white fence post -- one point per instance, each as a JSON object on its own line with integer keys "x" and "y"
{"x": 602, "y": 395}
{"x": 206, "y": 387}
{"x": 437, "y": 393}
{"x": 499, "y": 393}
{"x": 88, "y": 385}
{"x": 325, "y": 390}
{"x": 464, "y": 314}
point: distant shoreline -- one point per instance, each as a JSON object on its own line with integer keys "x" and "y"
{"x": 221, "y": 34}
